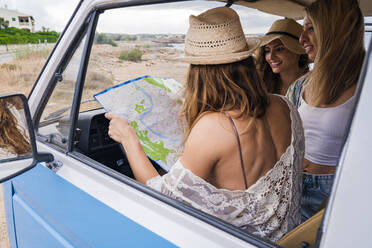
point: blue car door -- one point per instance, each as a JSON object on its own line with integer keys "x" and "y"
{"x": 44, "y": 210}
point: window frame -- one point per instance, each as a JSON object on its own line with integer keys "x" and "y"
{"x": 88, "y": 28}
{"x": 50, "y": 55}
{"x": 74, "y": 115}
{"x": 64, "y": 62}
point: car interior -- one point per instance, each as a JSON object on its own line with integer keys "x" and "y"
{"x": 90, "y": 137}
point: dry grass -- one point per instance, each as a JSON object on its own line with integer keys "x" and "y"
{"x": 105, "y": 69}
{"x": 20, "y": 74}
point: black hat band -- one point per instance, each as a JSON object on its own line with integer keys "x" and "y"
{"x": 285, "y": 33}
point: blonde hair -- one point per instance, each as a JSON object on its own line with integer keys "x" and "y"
{"x": 224, "y": 87}
{"x": 339, "y": 30}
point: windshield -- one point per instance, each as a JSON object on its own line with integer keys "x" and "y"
{"x": 122, "y": 51}
{"x": 117, "y": 56}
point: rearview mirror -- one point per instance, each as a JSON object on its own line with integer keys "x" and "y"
{"x": 18, "y": 151}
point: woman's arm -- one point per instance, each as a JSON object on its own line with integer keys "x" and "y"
{"x": 121, "y": 131}
{"x": 203, "y": 148}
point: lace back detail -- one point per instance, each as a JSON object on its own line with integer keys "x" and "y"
{"x": 269, "y": 208}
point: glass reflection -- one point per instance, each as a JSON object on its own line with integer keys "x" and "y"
{"x": 14, "y": 136}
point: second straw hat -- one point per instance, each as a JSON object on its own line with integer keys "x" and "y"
{"x": 288, "y": 31}
{"x": 216, "y": 37}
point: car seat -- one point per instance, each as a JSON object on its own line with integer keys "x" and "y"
{"x": 303, "y": 235}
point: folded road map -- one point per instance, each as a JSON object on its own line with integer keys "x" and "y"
{"x": 152, "y": 106}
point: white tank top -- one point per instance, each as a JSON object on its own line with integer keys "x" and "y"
{"x": 324, "y": 130}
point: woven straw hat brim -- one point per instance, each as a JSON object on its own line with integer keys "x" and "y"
{"x": 253, "y": 44}
{"x": 290, "y": 43}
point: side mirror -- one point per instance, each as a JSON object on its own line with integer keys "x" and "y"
{"x": 18, "y": 152}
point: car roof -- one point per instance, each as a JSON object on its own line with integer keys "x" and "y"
{"x": 291, "y": 8}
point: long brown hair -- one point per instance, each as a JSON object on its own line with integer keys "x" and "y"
{"x": 224, "y": 87}
{"x": 12, "y": 135}
{"x": 271, "y": 80}
{"x": 339, "y": 30}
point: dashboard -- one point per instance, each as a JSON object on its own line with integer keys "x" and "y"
{"x": 93, "y": 132}
{"x": 93, "y": 141}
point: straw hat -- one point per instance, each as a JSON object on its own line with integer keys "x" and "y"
{"x": 288, "y": 31}
{"x": 216, "y": 37}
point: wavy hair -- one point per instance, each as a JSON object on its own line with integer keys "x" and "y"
{"x": 339, "y": 30}
{"x": 271, "y": 80}
{"x": 12, "y": 135}
{"x": 224, "y": 87}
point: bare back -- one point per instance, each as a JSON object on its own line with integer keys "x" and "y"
{"x": 262, "y": 146}
{"x": 263, "y": 142}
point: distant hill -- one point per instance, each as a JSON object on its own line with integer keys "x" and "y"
{"x": 117, "y": 37}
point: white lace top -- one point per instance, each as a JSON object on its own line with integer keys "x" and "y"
{"x": 269, "y": 208}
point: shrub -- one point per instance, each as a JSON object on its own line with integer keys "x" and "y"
{"x": 126, "y": 37}
{"x": 18, "y": 36}
{"x": 131, "y": 55}
{"x": 3, "y": 23}
{"x": 112, "y": 43}
{"x": 10, "y": 67}
{"x": 104, "y": 39}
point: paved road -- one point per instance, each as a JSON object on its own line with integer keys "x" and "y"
{"x": 4, "y": 58}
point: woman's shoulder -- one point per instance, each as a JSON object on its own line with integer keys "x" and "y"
{"x": 209, "y": 123}
{"x": 214, "y": 128}
{"x": 213, "y": 125}
{"x": 215, "y": 119}
{"x": 210, "y": 117}
{"x": 207, "y": 142}
{"x": 280, "y": 103}
{"x": 282, "y": 112}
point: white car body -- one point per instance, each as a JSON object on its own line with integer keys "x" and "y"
{"x": 347, "y": 219}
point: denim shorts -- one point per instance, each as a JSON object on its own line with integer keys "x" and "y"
{"x": 315, "y": 188}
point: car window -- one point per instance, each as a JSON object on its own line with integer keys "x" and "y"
{"x": 126, "y": 48}
{"x": 135, "y": 42}
{"x": 55, "y": 119}
{"x": 147, "y": 40}
{"x": 123, "y": 53}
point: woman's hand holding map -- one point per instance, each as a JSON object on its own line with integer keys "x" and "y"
{"x": 121, "y": 131}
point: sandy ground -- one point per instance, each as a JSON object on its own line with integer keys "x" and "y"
{"x": 4, "y": 242}
{"x": 105, "y": 69}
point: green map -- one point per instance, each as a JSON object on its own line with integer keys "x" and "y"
{"x": 152, "y": 105}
